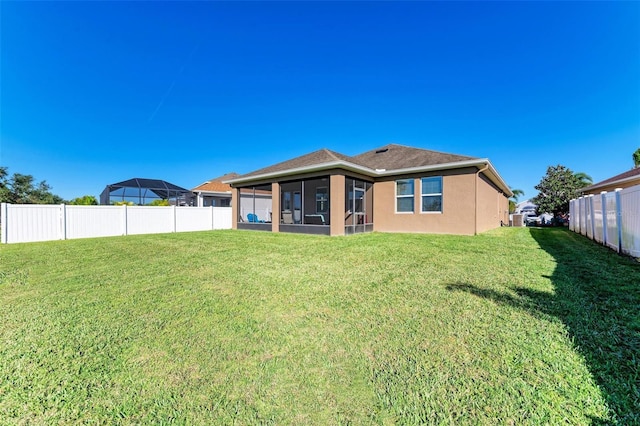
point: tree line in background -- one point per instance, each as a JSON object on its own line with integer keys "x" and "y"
{"x": 23, "y": 189}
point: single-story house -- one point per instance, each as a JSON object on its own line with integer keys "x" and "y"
{"x": 395, "y": 188}
{"x": 623, "y": 180}
{"x": 214, "y": 192}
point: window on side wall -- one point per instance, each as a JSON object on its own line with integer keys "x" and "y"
{"x": 431, "y": 193}
{"x": 404, "y": 196}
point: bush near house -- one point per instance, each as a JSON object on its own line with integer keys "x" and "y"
{"x": 514, "y": 326}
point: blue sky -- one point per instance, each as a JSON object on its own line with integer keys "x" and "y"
{"x": 94, "y": 93}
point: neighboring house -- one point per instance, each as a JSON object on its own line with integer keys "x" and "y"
{"x": 525, "y": 207}
{"x": 214, "y": 192}
{"x": 391, "y": 189}
{"x": 623, "y": 180}
{"x": 217, "y": 193}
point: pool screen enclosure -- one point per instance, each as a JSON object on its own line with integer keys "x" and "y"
{"x": 144, "y": 191}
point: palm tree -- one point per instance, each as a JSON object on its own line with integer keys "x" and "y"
{"x": 583, "y": 179}
{"x": 517, "y": 193}
{"x": 514, "y": 199}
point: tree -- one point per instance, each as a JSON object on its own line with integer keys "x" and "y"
{"x": 514, "y": 199}
{"x": 4, "y": 185}
{"x": 636, "y": 158}
{"x": 556, "y": 189}
{"x": 583, "y": 179}
{"x": 85, "y": 200}
{"x": 22, "y": 189}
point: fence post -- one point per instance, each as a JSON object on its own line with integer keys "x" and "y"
{"x": 124, "y": 219}
{"x": 212, "y": 214}
{"x": 579, "y": 215}
{"x": 4, "y": 223}
{"x": 63, "y": 222}
{"x": 593, "y": 218}
{"x": 605, "y": 237}
{"x": 619, "y": 218}
{"x": 175, "y": 226}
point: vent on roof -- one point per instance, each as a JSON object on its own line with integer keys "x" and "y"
{"x": 380, "y": 151}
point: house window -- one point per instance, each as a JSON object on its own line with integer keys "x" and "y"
{"x": 225, "y": 202}
{"x": 322, "y": 200}
{"x": 431, "y": 194}
{"x": 404, "y": 196}
{"x": 286, "y": 201}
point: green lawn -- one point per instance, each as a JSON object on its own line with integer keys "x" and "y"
{"x": 514, "y": 326}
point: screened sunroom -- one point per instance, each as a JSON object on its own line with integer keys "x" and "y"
{"x": 305, "y": 205}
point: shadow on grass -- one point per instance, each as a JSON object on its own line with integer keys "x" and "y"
{"x": 597, "y": 297}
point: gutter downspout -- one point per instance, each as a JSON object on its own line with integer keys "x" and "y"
{"x": 477, "y": 176}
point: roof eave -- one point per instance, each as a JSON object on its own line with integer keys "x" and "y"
{"x": 479, "y": 162}
{"x": 497, "y": 179}
{"x": 612, "y": 183}
{"x": 204, "y": 191}
{"x": 306, "y": 169}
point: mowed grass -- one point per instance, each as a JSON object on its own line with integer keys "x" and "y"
{"x": 514, "y": 326}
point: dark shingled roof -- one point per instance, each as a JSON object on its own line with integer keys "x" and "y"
{"x": 396, "y": 157}
{"x": 321, "y": 156}
{"x": 389, "y": 157}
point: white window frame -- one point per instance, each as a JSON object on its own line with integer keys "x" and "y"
{"x": 440, "y": 194}
{"x": 412, "y": 196}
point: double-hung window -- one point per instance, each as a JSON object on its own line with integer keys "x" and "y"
{"x": 404, "y": 196}
{"x": 431, "y": 192}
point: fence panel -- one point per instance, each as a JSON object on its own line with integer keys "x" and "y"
{"x": 194, "y": 219}
{"x": 94, "y": 221}
{"x": 221, "y": 217}
{"x": 616, "y": 219}
{"x": 598, "y": 220}
{"x": 588, "y": 231}
{"x": 31, "y": 222}
{"x": 630, "y": 209}
{"x": 572, "y": 215}
{"x": 150, "y": 220}
{"x": 22, "y": 223}
{"x": 582, "y": 216}
{"x": 612, "y": 221}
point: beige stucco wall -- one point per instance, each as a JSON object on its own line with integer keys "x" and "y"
{"x": 492, "y": 205}
{"x": 458, "y": 201}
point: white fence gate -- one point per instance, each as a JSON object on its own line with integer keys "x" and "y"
{"x": 610, "y": 218}
{"x": 22, "y": 223}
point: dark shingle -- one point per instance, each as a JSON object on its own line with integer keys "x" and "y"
{"x": 321, "y": 156}
{"x": 390, "y": 157}
{"x": 395, "y": 157}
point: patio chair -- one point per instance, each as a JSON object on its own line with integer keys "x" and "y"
{"x": 287, "y": 218}
{"x": 252, "y": 218}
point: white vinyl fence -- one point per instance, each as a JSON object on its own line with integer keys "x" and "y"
{"x": 610, "y": 218}
{"x": 22, "y": 223}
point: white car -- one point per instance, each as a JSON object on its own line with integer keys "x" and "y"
{"x": 530, "y": 219}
